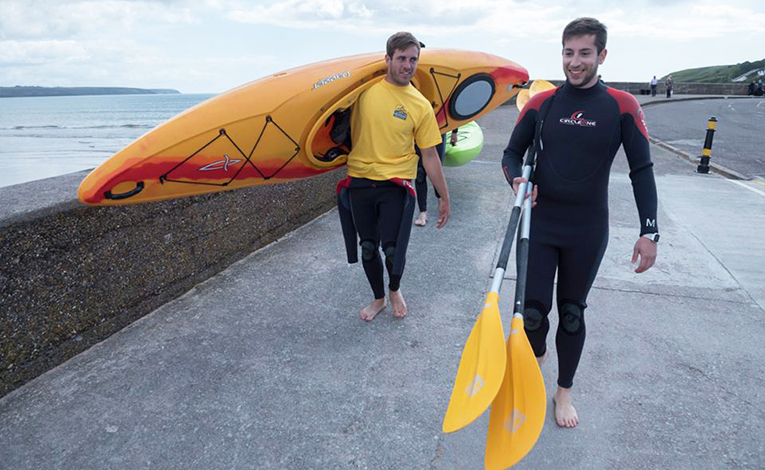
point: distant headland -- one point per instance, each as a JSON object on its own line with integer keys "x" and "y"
{"x": 27, "y": 91}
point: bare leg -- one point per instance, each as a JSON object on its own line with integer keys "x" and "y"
{"x": 369, "y": 312}
{"x": 565, "y": 413}
{"x": 422, "y": 219}
{"x": 397, "y": 301}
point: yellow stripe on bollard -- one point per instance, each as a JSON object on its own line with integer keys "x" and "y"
{"x": 706, "y": 153}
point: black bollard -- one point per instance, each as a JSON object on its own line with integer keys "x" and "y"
{"x": 706, "y": 154}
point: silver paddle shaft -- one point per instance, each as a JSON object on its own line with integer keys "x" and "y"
{"x": 522, "y": 261}
{"x": 507, "y": 244}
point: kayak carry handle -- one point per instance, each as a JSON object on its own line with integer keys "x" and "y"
{"x": 138, "y": 188}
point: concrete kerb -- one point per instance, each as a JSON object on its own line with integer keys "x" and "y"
{"x": 717, "y": 168}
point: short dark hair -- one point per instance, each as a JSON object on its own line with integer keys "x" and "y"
{"x": 401, "y": 41}
{"x": 587, "y": 26}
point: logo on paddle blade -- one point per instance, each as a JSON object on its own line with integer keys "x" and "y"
{"x": 515, "y": 421}
{"x": 220, "y": 164}
{"x": 475, "y": 386}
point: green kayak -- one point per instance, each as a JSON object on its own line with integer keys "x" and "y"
{"x": 468, "y": 146}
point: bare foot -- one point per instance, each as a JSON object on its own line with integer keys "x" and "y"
{"x": 541, "y": 359}
{"x": 565, "y": 413}
{"x": 397, "y": 301}
{"x": 422, "y": 219}
{"x": 369, "y": 312}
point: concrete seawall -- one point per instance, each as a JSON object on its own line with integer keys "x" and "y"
{"x": 72, "y": 275}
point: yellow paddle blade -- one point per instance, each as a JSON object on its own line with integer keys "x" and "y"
{"x": 518, "y": 411}
{"x": 481, "y": 369}
{"x": 522, "y": 98}
{"x": 539, "y": 86}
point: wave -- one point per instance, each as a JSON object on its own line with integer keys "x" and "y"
{"x": 103, "y": 126}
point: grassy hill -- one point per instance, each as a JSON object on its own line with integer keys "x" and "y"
{"x": 717, "y": 73}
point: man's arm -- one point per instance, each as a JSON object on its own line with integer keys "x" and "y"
{"x": 520, "y": 140}
{"x": 435, "y": 171}
{"x": 635, "y": 141}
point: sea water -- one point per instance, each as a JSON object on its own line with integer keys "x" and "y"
{"x": 42, "y": 137}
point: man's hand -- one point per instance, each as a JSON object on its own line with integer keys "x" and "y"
{"x": 517, "y": 183}
{"x": 443, "y": 212}
{"x": 646, "y": 250}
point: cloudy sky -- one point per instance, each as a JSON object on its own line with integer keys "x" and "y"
{"x": 209, "y": 46}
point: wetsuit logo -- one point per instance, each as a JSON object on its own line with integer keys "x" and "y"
{"x": 642, "y": 118}
{"x": 400, "y": 113}
{"x": 577, "y": 119}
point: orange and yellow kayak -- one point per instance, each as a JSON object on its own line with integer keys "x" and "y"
{"x": 286, "y": 126}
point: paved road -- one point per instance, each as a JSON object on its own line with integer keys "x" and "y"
{"x": 267, "y": 365}
{"x": 739, "y": 141}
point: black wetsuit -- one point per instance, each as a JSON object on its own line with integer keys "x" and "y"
{"x": 421, "y": 183}
{"x": 373, "y": 214}
{"x": 581, "y": 131}
{"x": 378, "y": 208}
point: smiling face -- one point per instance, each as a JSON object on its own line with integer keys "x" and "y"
{"x": 402, "y": 65}
{"x": 581, "y": 60}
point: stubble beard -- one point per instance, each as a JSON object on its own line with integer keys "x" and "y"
{"x": 400, "y": 79}
{"x": 587, "y": 79}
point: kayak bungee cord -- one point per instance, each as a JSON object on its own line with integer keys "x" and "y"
{"x": 248, "y": 159}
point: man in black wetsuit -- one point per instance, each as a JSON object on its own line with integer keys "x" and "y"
{"x": 578, "y": 129}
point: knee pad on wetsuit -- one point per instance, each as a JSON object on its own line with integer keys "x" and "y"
{"x": 390, "y": 252}
{"x": 368, "y": 250}
{"x": 534, "y": 316}
{"x": 571, "y": 318}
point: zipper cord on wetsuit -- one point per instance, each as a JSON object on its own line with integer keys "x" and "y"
{"x": 538, "y": 135}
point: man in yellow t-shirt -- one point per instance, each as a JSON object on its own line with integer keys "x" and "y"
{"x": 388, "y": 120}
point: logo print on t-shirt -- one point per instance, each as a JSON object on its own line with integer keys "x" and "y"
{"x": 400, "y": 113}
{"x": 577, "y": 119}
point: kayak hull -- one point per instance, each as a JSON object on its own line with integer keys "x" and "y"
{"x": 280, "y": 128}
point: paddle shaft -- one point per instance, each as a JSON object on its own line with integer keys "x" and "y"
{"x": 522, "y": 254}
{"x": 507, "y": 243}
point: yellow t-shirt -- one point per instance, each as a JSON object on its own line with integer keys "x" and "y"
{"x": 386, "y": 122}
